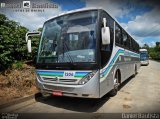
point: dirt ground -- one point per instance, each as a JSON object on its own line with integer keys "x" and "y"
{"x": 17, "y": 83}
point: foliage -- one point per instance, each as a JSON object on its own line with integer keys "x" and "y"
{"x": 12, "y": 43}
{"x": 155, "y": 53}
{"x": 17, "y": 65}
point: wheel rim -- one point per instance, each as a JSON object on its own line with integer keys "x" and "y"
{"x": 116, "y": 83}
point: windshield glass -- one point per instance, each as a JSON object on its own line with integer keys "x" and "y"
{"x": 69, "y": 38}
{"x": 143, "y": 56}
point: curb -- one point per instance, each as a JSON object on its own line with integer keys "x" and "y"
{"x": 20, "y": 100}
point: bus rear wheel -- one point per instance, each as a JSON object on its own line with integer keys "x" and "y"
{"x": 135, "y": 71}
{"x": 114, "y": 91}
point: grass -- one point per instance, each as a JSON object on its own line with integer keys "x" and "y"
{"x": 17, "y": 65}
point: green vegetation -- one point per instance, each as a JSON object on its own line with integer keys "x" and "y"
{"x": 17, "y": 65}
{"x": 154, "y": 52}
{"x": 16, "y": 76}
{"x": 13, "y": 45}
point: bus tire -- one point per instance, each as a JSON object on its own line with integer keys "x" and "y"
{"x": 115, "y": 89}
{"x": 45, "y": 96}
{"x": 135, "y": 71}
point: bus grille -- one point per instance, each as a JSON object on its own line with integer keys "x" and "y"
{"x": 49, "y": 79}
{"x": 59, "y": 80}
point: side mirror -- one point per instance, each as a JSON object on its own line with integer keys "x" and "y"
{"x": 105, "y": 32}
{"x": 29, "y": 47}
{"x": 28, "y": 34}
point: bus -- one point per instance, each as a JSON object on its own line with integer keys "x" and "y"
{"x": 84, "y": 53}
{"x": 144, "y": 57}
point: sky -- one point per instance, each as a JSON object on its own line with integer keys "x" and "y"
{"x": 141, "y": 18}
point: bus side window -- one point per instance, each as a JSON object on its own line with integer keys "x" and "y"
{"x": 124, "y": 36}
{"x": 134, "y": 46}
{"x": 118, "y": 35}
{"x": 128, "y": 42}
{"x": 137, "y": 48}
{"x": 131, "y": 44}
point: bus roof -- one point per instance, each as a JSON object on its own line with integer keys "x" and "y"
{"x": 74, "y": 11}
{"x": 142, "y": 49}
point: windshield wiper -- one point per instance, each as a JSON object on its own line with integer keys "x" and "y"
{"x": 65, "y": 46}
{"x": 67, "y": 52}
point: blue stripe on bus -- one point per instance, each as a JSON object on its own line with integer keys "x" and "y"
{"x": 81, "y": 73}
{"x": 113, "y": 60}
{"x": 111, "y": 63}
{"x": 49, "y": 72}
{"x": 42, "y": 72}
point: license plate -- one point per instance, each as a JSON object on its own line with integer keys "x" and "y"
{"x": 57, "y": 93}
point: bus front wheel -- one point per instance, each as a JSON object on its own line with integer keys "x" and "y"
{"x": 45, "y": 95}
{"x": 114, "y": 91}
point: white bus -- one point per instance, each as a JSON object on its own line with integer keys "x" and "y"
{"x": 144, "y": 57}
{"x": 84, "y": 53}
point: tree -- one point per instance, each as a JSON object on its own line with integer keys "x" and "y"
{"x": 12, "y": 43}
{"x": 146, "y": 46}
{"x": 154, "y": 52}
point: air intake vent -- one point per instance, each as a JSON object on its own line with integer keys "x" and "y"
{"x": 67, "y": 80}
{"x": 49, "y": 79}
{"x": 59, "y": 80}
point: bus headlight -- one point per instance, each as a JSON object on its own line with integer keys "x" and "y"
{"x": 87, "y": 78}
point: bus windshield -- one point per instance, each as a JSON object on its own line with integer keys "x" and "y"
{"x": 143, "y": 56}
{"x": 69, "y": 38}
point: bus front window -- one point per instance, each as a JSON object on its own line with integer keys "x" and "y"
{"x": 69, "y": 38}
{"x": 143, "y": 56}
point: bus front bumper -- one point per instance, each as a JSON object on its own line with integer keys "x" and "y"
{"x": 144, "y": 62}
{"x": 88, "y": 90}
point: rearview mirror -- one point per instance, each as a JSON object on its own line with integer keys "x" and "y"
{"x": 105, "y": 32}
{"x": 28, "y": 34}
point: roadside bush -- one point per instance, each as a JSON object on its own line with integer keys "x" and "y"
{"x": 155, "y": 55}
{"x": 154, "y": 52}
{"x": 12, "y": 43}
{"x": 17, "y": 65}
